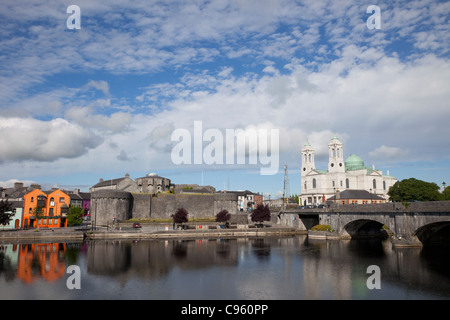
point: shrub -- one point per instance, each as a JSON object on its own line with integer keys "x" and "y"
{"x": 322, "y": 227}
{"x": 180, "y": 216}
{"x": 223, "y": 216}
{"x": 261, "y": 213}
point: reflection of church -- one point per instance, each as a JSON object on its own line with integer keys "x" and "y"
{"x": 319, "y": 185}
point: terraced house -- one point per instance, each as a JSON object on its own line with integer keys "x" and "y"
{"x": 47, "y": 209}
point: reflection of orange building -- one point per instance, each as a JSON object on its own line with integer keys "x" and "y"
{"x": 52, "y": 207}
{"x": 50, "y": 265}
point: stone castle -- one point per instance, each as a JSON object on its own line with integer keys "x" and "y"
{"x": 155, "y": 197}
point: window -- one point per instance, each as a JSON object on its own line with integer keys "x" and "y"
{"x": 32, "y": 199}
{"x": 61, "y": 199}
{"x": 384, "y": 185}
{"x": 374, "y": 184}
{"x": 347, "y": 183}
{"x": 314, "y": 183}
{"x": 51, "y": 212}
{"x": 52, "y": 202}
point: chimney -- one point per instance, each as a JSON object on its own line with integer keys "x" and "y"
{"x": 18, "y": 185}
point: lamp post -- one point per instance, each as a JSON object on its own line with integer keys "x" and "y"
{"x": 443, "y": 185}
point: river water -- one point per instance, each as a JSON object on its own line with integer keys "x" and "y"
{"x": 273, "y": 268}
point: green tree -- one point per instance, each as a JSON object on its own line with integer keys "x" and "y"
{"x": 414, "y": 190}
{"x": 75, "y": 216}
{"x": 5, "y": 212}
{"x": 38, "y": 212}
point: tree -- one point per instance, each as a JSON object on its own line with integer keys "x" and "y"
{"x": 180, "y": 216}
{"x": 5, "y": 212}
{"x": 75, "y": 216}
{"x": 223, "y": 216}
{"x": 414, "y": 190}
{"x": 261, "y": 213}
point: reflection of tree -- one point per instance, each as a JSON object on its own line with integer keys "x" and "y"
{"x": 72, "y": 253}
{"x": 6, "y": 268}
{"x": 179, "y": 250}
{"x": 223, "y": 249}
{"x": 261, "y": 248}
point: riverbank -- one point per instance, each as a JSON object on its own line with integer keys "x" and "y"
{"x": 80, "y": 234}
{"x": 163, "y": 231}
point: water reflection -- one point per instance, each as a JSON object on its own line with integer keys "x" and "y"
{"x": 264, "y": 268}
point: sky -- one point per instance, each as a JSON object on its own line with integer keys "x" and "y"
{"x": 124, "y": 92}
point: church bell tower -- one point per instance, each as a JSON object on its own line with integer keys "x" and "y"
{"x": 336, "y": 156}
{"x": 307, "y": 159}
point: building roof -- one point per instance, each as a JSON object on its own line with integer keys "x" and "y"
{"x": 153, "y": 175}
{"x": 356, "y": 194}
{"x": 105, "y": 183}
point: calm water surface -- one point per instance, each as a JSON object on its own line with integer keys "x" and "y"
{"x": 264, "y": 268}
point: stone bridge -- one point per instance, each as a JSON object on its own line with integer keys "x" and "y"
{"x": 411, "y": 223}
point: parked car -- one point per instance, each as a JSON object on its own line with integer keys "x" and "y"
{"x": 137, "y": 225}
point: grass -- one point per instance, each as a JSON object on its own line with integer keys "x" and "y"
{"x": 322, "y": 227}
{"x": 209, "y": 219}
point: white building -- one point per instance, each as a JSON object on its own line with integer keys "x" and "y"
{"x": 319, "y": 185}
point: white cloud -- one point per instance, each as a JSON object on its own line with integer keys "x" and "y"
{"x": 31, "y": 139}
{"x": 85, "y": 116}
{"x": 100, "y": 85}
{"x": 388, "y": 153}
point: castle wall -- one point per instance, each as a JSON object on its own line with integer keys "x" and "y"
{"x": 109, "y": 204}
{"x": 163, "y": 206}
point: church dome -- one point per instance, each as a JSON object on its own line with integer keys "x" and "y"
{"x": 354, "y": 162}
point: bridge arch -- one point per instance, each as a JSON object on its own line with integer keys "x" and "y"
{"x": 434, "y": 233}
{"x": 365, "y": 228}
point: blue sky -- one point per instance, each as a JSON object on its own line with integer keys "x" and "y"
{"x": 104, "y": 100}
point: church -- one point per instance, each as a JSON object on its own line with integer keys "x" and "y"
{"x": 351, "y": 174}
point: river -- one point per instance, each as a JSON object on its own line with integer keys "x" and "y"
{"x": 272, "y": 268}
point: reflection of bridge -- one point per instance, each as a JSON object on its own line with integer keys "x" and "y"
{"x": 415, "y": 223}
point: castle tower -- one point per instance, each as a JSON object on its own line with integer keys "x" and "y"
{"x": 336, "y": 156}
{"x": 307, "y": 159}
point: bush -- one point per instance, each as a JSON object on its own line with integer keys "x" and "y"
{"x": 180, "y": 216}
{"x": 322, "y": 227}
{"x": 223, "y": 216}
{"x": 261, "y": 213}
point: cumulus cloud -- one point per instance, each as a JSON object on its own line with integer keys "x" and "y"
{"x": 85, "y": 116}
{"x": 31, "y": 139}
{"x": 309, "y": 68}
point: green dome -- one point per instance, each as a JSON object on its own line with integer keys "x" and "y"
{"x": 353, "y": 162}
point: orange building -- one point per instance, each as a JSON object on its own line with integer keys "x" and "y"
{"x": 45, "y": 209}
